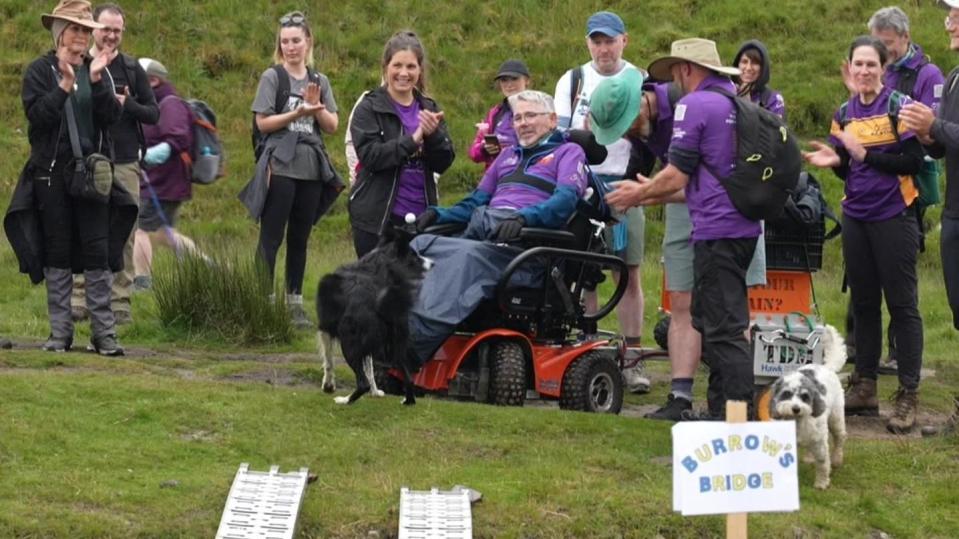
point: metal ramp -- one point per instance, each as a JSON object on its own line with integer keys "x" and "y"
{"x": 263, "y": 505}
{"x": 435, "y": 514}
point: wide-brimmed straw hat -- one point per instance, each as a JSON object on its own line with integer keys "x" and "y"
{"x": 701, "y": 52}
{"x": 76, "y": 11}
{"x": 948, "y": 4}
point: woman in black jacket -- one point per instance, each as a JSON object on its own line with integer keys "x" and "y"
{"x": 72, "y": 234}
{"x": 401, "y": 140}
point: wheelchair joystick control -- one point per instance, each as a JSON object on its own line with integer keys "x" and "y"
{"x": 409, "y": 218}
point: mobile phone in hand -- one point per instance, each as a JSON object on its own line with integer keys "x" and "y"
{"x": 491, "y": 139}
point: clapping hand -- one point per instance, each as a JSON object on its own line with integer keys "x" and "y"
{"x": 823, "y": 155}
{"x": 312, "y": 93}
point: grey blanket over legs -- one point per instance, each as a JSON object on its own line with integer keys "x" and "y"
{"x": 465, "y": 273}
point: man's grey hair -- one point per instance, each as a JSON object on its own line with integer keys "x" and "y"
{"x": 544, "y": 100}
{"x": 889, "y": 18}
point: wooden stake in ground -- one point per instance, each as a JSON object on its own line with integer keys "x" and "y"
{"x": 737, "y": 525}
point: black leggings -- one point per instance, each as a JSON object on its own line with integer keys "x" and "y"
{"x": 881, "y": 262}
{"x": 293, "y": 202}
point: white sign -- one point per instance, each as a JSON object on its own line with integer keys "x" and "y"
{"x": 734, "y": 467}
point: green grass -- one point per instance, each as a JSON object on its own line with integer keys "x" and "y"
{"x": 86, "y": 442}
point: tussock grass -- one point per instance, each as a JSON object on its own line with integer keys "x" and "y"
{"x": 222, "y": 295}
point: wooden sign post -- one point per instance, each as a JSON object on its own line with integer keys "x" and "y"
{"x": 737, "y": 524}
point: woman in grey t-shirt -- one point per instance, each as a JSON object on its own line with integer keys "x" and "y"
{"x": 291, "y": 123}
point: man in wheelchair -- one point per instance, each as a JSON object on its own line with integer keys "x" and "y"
{"x": 536, "y": 185}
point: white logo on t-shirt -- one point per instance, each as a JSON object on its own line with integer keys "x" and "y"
{"x": 680, "y": 113}
{"x": 937, "y": 91}
{"x": 303, "y": 124}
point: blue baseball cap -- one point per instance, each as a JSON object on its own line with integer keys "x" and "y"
{"x": 606, "y": 23}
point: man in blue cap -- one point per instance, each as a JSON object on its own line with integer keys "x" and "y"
{"x": 606, "y": 39}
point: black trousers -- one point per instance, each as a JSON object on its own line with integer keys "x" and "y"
{"x": 881, "y": 262}
{"x": 364, "y": 242}
{"x": 291, "y": 208}
{"x": 949, "y": 251}
{"x": 720, "y": 312}
{"x": 65, "y": 220}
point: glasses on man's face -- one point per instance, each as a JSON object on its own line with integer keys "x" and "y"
{"x": 952, "y": 22}
{"x": 527, "y": 116}
{"x": 292, "y": 19}
{"x": 110, "y": 30}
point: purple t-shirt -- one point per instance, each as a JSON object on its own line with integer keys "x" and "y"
{"x": 929, "y": 81}
{"x": 704, "y": 124}
{"x": 410, "y": 193}
{"x": 565, "y": 166}
{"x": 872, "y": 195}
{"x": 662, "y": 132}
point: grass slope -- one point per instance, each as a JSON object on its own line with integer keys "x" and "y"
{"x": 85, "y": 443}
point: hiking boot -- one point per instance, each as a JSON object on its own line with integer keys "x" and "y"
{"x": 861, "y": 396}
{"x": 106, "y": 345}
{"x": 79, "y": 314}
{"x": 299, "y": 317}
{"x": 673, "y": 410}
{"x": 903, "y": 417}
{"x": 122, "y": 317}
{"x": 635, "y": 381}
{"x": 56, "y": 344}
{"x": 888, "y": 366}
{"x": 5, "y": 343}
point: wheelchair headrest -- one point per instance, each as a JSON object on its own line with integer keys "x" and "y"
{"x": 595, "y": 152}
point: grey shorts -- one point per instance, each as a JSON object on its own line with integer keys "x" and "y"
{"x": 678, "y": 253}
{"x": 152, "y": 219}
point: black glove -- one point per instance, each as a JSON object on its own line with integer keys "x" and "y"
{"x": 508, "y": 229}
{"x": 426, "y": 219}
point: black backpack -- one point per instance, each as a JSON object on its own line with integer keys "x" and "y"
{"x": 768, "y": 161}
{"x": 282, "y": 95}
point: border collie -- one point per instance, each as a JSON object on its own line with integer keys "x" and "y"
{"x": 365, "y": 305}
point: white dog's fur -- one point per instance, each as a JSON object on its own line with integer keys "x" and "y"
{"x": 813, "y": 396}
{"x": 324, "y": 345}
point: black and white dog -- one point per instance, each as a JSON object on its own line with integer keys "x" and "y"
{"x": 365, "y": 305}
{"x": 813, "y": 397}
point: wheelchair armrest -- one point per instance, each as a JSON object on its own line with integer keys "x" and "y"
{"x": 445, "y": 229}
{"x": 547, "y": 237}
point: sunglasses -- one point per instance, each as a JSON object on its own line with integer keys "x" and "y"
{"x": 294, "y": 18}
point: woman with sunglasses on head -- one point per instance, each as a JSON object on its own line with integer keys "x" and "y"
{"x": 293, "y": 107}
{"x": 495, "y": 133}
{"x": 877, "y": 157}
{"x": 401, "y": 139}
{"x": 55, "y": 228}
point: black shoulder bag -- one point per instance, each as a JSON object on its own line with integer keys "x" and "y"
{"x": 92, "y": 176}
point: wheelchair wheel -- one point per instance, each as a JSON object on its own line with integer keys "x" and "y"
{"x": 507, "y": 385}
{"x": 661, "y": 332}
{"x": 592, "y": 383}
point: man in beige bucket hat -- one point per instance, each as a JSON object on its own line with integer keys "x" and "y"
{"x": 702, "y": 150}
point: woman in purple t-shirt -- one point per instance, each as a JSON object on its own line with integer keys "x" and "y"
{"x": 401, "y": 140}
{"x": 877, "y": 157}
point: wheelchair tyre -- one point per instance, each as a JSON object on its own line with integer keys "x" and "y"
{"x": 386, "y": 382}
{"x": 592, "y": 383}
{"x": 507, "y": 385}
{"x": 661, "y": 333}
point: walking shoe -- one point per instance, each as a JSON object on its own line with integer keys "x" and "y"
{"x": 673, "y": 410}
{"x": 5, "y": 343}
{"x": 142, "y": 282}
{"x": 298, "y": 314}
{"x": 903, "y": 417}
{"x": 889, "y": 366}
{"x": 861, "y": 396}
{"x": 704, "y": 415}
{"x": 79, "y": 314}
{"x": 122, "y": 317}
{"x": 106, "y": 345}
{"x": 635, "y": 381}
{"x": 55, "y": 344}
